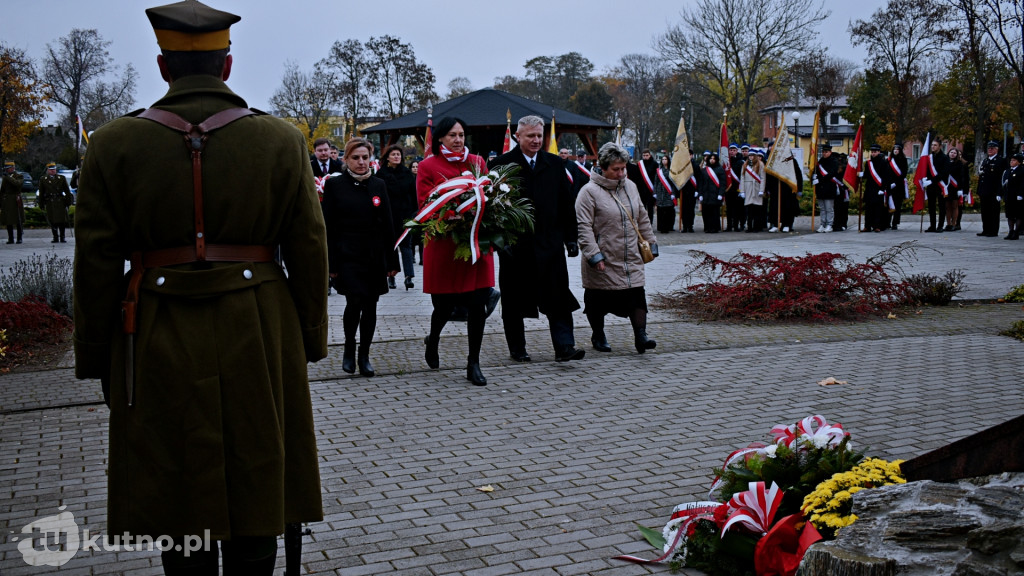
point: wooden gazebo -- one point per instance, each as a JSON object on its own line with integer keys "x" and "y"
{"x": 484, "y": 112}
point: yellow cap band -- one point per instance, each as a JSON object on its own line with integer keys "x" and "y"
{"x": 193, "y": 42}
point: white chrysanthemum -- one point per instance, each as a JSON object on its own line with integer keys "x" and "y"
{"x": 504, "y": 188}
{"x": 769, "y": 451}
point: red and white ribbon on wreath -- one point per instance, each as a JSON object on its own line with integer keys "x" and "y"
{"x": 449, "y": 190}
{"x": 756, "y": 447}
{"x": 754, "y": 508}
{"x": 675, "y": 530}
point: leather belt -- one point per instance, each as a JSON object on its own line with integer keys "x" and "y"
{"x": 214, "y": 253}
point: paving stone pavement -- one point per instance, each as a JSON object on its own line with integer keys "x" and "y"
{"x": 577, "y": 453}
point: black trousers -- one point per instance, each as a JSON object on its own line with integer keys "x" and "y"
{"x": 712, "y": 217}
{"x": 666, "y": 218}
{"x": 688, "y": 209}
{"x": 989, "y": 214}
{"x": 735, "y": 213}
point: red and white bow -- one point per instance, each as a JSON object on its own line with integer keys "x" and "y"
{"x": 450, "y": 190}
{"x": 814, "y": 429}
{"x": 754, "y": 508}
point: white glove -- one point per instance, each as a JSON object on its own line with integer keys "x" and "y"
{"x": 926, "y": 182}
{"x": 960, "y": 193}
{"x": 999, "y": 198}
{"x": 741, "y": 195}
{"x": 1019, "y": 198}
{"x": 695, "y": 194}
{"x": 860, "y": 174}
{"x": 760, "y": 193}
{"x": 672, "y": 197}
{"x": 701, "y": 198}
{"x": 892, "y": 186}
{"x": 719, "y": 198}
{"x": 814, "y": 180}
{"x": 881, "y": 192}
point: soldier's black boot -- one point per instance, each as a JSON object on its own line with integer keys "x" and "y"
{"x": 10, "y": 234}
{"x": 56, "y": 237}
{"x": 365, "y": 368}
{"x": 348, "y": 359}
{"x": 62, "y": 229}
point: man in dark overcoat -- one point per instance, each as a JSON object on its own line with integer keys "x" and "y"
{"x": 990, "y": 189}
{"x": 54, "y": 197}
{"x": 878, "y": 181}
{"x": 10, "y": 202}
{"x": 533, "y": 275}
{"x": 211, "y": 425}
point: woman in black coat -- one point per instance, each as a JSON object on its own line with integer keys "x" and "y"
{"x": 360, "y": 248}
{"x": 711, "y": 186}
{"x": 401, "y": 183}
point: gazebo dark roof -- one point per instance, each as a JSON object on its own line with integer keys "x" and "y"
{"x": 484, "y": 113}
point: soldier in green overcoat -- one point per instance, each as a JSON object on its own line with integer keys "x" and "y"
{"x": 54, "y": 197}
{"x": 211, "y": 424}
{"x": 11, "y": 208}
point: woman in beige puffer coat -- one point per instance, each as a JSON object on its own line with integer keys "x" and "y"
{"x": 613, "y": 272}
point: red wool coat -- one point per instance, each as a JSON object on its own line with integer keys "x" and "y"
{"x": 442, "y": 272}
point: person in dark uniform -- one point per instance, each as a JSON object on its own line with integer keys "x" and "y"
{"x": 824, "y": 179}
{"x": 211, "y": 423}
{"x": 711, "y": 188}
{"x": 55, "y": 197}
{"x": 842, "y": 204}
{"x": 10, "y": 202}
{"x": 935, "y": 187}
{"x": 899, "y": 166}
{"x": 735, "y": 211}
{"x": 878, "y": 179}
{"x": 688, "y": 197}
{"x": 990, "y": 190}
{"x": 665, "y": 193}
{"x": 578, "y": 175}
{"x": 1013, "y": 191}
{"x": 360, "y": 246}
{"x": 959, "y": 189}
{"x": 533, "y": 276}
{"x": 644, "y": 176}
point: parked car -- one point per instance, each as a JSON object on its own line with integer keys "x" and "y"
{"x": 27, "y": 185}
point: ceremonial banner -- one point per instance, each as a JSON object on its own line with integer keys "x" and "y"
{"x": 924, "y": 165}
{"x": 855, "y": 164}
{"x": 776, "y": 164}
{"x": 723, "y": 153}
{"x": 682, "y": 165}
{"x": 553, "y": 141}
{"x": 812, "y": 157}
{"x": 509, "y": 143}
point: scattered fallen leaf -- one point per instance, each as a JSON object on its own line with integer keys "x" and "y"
{"x": 1000, "y": 300}
{"x": 830, "y": 381}
{"x": 891, "y": 316}
{"x": 487, "y": 488}
{"x": 919, "y": 312}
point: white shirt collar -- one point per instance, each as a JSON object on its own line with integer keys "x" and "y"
{"x": 530, "y": 158}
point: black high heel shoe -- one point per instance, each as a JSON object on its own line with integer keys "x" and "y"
{"x": 348, "y": 358}
{"x": 408, "y": 282}
{"x": 431, "y": 355}
{"x": 474, "y": 375}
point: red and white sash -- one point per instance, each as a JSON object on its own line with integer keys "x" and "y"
{"x": 732, "y": 173}
{"x": 664, "y": 182}
{"x": 895, "y": 168}
{"x": 583, "y": 168}
{"x": 647, "y": 179}
{"x": 874, "y": 174}
{"x": 753, "y": 174}
{"x": 568, "y": 175}
{"x": 713, "y": 176}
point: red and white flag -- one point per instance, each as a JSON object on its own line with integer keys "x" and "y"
{"x": 723, "y": 154}
{"x": 855, "y": 161}
{"x": 426, "y": 141}
{"x": 924, "y": 170}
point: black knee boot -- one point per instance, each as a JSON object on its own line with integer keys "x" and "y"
{"x": 598, "y": 338}
{"x": 638, "y": 319}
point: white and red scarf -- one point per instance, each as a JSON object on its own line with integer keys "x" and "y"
{"x": 453, "y": 157}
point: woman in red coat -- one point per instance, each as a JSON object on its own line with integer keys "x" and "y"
{"x": 451, "y": 281}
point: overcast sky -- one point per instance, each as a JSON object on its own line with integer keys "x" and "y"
{"x": 478, "y": 40}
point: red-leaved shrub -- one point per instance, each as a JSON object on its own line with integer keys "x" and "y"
{"x": 31, "y": 321}
{"x": 824, "y": 286}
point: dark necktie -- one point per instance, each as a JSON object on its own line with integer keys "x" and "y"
{"x": 533, "y": 164}
{"x": 323, "y": 168}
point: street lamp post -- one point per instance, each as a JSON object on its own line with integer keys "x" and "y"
{"x": 796, "y": 128}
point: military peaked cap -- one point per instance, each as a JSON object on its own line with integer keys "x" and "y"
{"x": 876, "y": 148}
{"x": 191, "y": 26}
{"x": 993, "y": 144}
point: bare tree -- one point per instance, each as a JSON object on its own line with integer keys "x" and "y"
{"x": 350, "y": 61}
{"x": 740, "y": 48}
{"x": 822, "y": 80}
{"x": 1004, "y": 25}
{"x": 397, "y": 76}
{"x": 902, "y": 38}
{"x": 458, "y": 86}
{"x": 75, "y": 71}
{"x": 641, "y": 88}
{"x": 307, "y": 97}
{"x": 21, "y": 103}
